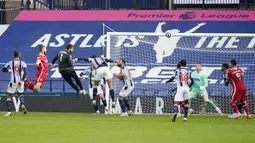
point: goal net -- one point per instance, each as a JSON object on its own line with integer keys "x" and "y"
{"x": 152, "y": 59}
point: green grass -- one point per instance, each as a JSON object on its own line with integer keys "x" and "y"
{"x": 88, "y": 128}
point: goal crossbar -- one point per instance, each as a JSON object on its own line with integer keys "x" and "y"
{"x": 182, "y": 34}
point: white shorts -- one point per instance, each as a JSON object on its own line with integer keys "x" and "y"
{"x": 103, "y": 72}
{"x": 182, "y": 94}
{"x": 125, "y": 92}
{"x": 99, "y": 91}
{"x": 12, "y": 87}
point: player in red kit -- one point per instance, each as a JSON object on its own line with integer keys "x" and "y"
{"x": 235, "y": 77}
{"x": 42, "y": 71}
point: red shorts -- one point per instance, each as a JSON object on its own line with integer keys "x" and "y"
{"x": 239, "y": 96}
{"x": 41, "y": 77}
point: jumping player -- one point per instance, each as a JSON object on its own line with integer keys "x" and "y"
{"x": 102, "y": 71}
{"x": 91, "y": 74}
{"x": 127, "y": 89}
{"x": 235, "y": 77}
{"x": 183, "y": 78}
{"x": 199, "y": 87}
{"x": 17, "y": 69}
{"x": 42, "y": 71}
{"x": 65, "y": 68}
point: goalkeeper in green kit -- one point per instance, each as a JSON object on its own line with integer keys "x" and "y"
{"x": 199, "y": 87}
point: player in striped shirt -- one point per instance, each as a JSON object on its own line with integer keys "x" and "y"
{"x": 183, "y": 78}
{"x": 126, "y": 77}
{"x": 17, "y": 69}
{"x": 90, "y": 72}
{"x": 102, "y": 71}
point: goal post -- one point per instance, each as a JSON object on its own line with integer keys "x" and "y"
{"x": 152, "y": 59}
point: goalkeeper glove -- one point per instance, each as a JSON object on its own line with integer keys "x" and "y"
{"x": 202, "y": 87}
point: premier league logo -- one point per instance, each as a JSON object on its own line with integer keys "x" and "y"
{"x": 187, "y": 15}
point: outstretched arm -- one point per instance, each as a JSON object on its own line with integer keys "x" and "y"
{"x": 196, "y": 27}
{"x": 84, "y": 58}
{"x": 172, "y": 78}
{"x": 54, "y": 59}
{"x": 119, "y": 75}
{"x": 159, "y": 27}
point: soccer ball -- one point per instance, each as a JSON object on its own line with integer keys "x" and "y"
{"x": 168, "y": 34}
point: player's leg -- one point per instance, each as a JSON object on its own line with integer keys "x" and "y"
{"x": 235, "y": 97}
{"x": 193, "y": 95}
{"x": 40, "y": 77}
{"x": 20, "y": 89}
{"x": 10, "y": 90}
{"x": 127, "y": 92}
{"x": 244, "y": 104}
{"x": 30, "y": 84}
{"x": 67, "y": 76}
{"x": 76, "y": 78}
{"x": 210, "y": 102}
{"x": 186, "y": 102}
{"x": 178, "y": 98}
{"x": 108, "y": 76}
{"x": 101, "y": 95}
{"x": 122, "y": 97}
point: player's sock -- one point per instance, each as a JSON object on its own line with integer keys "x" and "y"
{"x": 240, "y": 107}
{"x": 9, "y": 104}
{"x": 209, "y": 102}
{"x": 175, "y": 108}
{"x": 127, "y": 104}
{"x": 22, "y": 100}
{"x": 122, "y": 105}
{"x": 104, "y": 103}
{"x": 94, "y": 92}
{"x": 179, "y": 109}
{"x": 29, "y": 84}
{"x": 235, "y": 107}
{"x": 182, "y": 105}
{"x": 112, "y": 94}
{"x": 186, "y": 110}
{"x": 246, "y": 109}
{"x": 95, "y": 107}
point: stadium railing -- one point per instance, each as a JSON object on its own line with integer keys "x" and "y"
{"x": 137, "y": 4}
{"x": 8, "y": 7}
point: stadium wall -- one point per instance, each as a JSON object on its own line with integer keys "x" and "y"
{"x": 84, "y": 29}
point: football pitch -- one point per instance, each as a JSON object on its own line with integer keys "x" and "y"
{"x": 88, "y": 128}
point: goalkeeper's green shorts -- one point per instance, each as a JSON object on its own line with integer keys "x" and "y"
{"x": 198, "y": 93}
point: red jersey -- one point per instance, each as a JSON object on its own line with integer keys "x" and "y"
{"x": 235, "y": 75}
{"x": 43, "y": 66}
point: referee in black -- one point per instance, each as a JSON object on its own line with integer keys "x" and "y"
{"x": 65, "y": 67}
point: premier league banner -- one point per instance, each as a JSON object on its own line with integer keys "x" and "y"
{"x": 84, "y": 29}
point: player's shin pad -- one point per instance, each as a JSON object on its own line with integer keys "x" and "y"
{"x": 94, "y": 93}
{"x": 122, "y": 105}
{"x": 8, "y": 104}
{"x": 112, "y": 94}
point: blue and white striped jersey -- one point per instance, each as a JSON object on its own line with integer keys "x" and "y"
{"x": 17, "y": 68}
{"x": 98, "y": 62}
{"x": 128, "y": 77}
{"x": 91, "y": 74}
{"x": 183, "y": 76}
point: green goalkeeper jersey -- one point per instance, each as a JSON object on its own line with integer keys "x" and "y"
{"x": 200, "y": 79}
